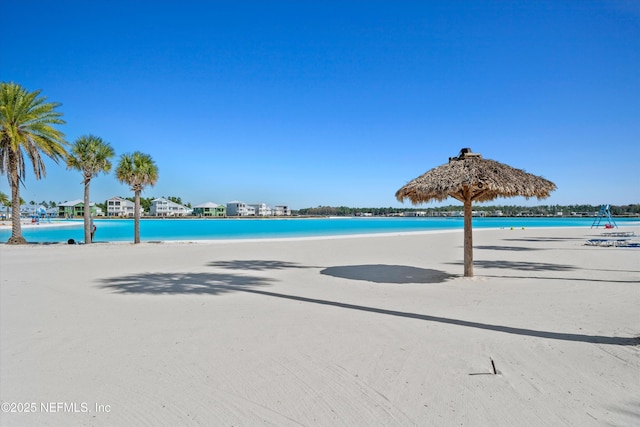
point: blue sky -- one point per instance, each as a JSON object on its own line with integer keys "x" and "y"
{"x": 310, "y": 103}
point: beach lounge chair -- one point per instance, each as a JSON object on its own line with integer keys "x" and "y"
{"x": 619, "y": 234}
{"x": 607, "y": 242}
{"x": 630, "y": 245}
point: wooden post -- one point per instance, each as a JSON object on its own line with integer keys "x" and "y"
{"x": 468, "y": 234}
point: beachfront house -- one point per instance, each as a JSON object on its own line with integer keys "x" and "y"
{"x": 75, "y": 208}
{"x": 118, "y": 206}
{"x": 415, "y": 213}
{"x": 261, "y": 209}
{"x": 209, "y": 209}
{"x": 281, "y": 210}
{"x": 71, "y": 209}
{"x": 164, "y": 207}
{"x": 237, "y": 208}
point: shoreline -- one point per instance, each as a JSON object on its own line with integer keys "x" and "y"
{"x": 370, "y": 331}
{"x": 159, "y": 231}
{"x": 313, "y": 238}
{"x": 6, "y": 225}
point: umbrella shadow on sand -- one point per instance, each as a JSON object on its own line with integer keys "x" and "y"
{"x": 381, "y": 273}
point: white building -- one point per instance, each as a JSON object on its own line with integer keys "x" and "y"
{"x": 164, "y": 207}
{"x": 261, "y": 209}
{"x": 237, "y": 208}
{"x": 281, "y": 210}
{"x": 117, "y": 206}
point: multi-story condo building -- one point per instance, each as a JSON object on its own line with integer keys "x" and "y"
{"x": 117, "y": 206}
{"x": 281, "y": 211}
{"x": 237, "y": 208}
{"x": 210, "y": 209}
{"x": 164, "y": 207}
{"x": 261, "y": 209}
{"x": 75, "y": 208}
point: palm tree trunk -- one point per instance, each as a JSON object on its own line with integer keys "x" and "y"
{"x": 468, "y": 234}
{"x": 87, "y": 212}
{"x": 136, "y": 218}
{"x": 16, "y": 228}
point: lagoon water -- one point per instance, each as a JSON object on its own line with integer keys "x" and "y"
{"x": 121, "y": 230}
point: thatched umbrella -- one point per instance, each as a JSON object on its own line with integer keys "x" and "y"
{"x": 470, "y": 178}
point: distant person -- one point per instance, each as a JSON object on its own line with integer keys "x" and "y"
{"x": 93, "y": 229}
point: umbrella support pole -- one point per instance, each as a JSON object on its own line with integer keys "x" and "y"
{"x": 468, "y": 236}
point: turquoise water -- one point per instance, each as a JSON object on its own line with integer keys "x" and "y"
{"x": 121, "y": 230}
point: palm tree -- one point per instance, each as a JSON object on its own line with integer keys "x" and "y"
{"x": 5, "y": 203}
{"x": 137, "y": 170}
{"x": 90, "y": 155}
{"x": 26, "y": 127}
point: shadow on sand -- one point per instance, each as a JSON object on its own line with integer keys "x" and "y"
{"x": 508, "y": 248}
{"x": 380, "y": 273}
{"x": 543, "y": 239}
{"x": 182, "y": 283}
{"x": 541, "y": 266}
{"x": 256, "y": 265}
{"x": 521, "y": 265}
{"x": 218, "y": 284}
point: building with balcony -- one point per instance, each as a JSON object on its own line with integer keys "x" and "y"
{"x": 75, "y": 208}
{"x": 261, "y": 209}
{"x": 210, "y": 209}
{"x": 281, "y": 210}
{"x": 164, "y": 207}
{"x": 117, "y": 206}
{"x": 237, "y": 208}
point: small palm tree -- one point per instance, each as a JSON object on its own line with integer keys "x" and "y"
{"x": 26, "y": 128}
{"x": 90, "y": 155}
{"x": 4, "y": 202}
{"x": 137, "y": 170}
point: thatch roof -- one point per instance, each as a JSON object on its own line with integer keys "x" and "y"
{"x": 485, "y": 178}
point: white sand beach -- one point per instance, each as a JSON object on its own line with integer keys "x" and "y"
{"x": 358, "y": 331}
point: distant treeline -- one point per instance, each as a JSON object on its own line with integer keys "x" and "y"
{"x": 542, "y": 210}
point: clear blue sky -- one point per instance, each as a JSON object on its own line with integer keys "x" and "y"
{"x": 310, "y": 103}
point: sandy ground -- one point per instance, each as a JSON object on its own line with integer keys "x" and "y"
{"x": 359, "y": 331}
